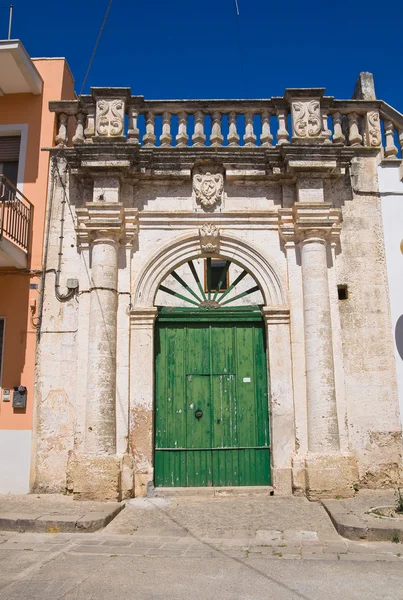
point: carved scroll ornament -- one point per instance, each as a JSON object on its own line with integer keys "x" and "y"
{"x": 307, "y": 120}
{"x": 110, "y": 117}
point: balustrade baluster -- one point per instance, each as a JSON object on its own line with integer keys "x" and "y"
{"x": 149, "y": 136}
{"x": 266, "y": 137}
{"x": 133, "y": 132}
{"x": 61, "y": 137}
{"x": 198, "y": 136}
{"x": 338, "y": 137}
{"x": 89, "y": 131}
{"x": 282, "y": 132}
{"x": 233, "y": 137}
{"x": 182, "y": 138}
{"x": 166, "y": 137}
{"x": 354, "y": 136}
{"x": 326, "y": 133}
{"x": 249, "y": 138}
{"x": 216, "y": 137}
{"x": 391, "y": 149}
{"x": 400, "y": 132}
{"x": 78, "y": 138}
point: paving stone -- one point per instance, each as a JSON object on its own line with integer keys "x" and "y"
{"x": 299, "y": 536}
{"x": 319, "y": 556}
{"x": 268, "y": 536}
{"x": 19, "y": 521}
{"x": 359, "y": 557}
{"x": 338, "y": 548}
{"x": 168, "y": 552}
{"x": 117, "y": 543}
{"x": 56, "y": 523}
{"x": 287, "y": 549}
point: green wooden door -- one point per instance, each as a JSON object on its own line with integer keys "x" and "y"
{"x": 211, "y": 419}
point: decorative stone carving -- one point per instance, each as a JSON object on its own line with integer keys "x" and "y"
{"x": 306, "y": 119}
{"x": 209, "y": 238}
{"x": 208, "y": 188}
{"x": 110, "y": 117}
{"x": 373, "y": 129}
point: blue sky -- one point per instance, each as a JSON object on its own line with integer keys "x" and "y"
{"x": 191, "y": 49}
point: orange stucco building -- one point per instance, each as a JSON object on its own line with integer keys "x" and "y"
{"x": 26, "y": 126}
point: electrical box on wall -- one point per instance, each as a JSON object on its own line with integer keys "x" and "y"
{"x": 6, "y": 394}
{"x": 20, "y": 397}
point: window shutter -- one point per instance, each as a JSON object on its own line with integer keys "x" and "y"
{"x": 9, "y": 148}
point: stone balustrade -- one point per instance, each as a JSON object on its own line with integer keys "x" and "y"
{"x": 301, "y": 116}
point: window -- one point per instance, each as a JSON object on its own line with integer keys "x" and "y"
{"x": 342, "y": 292}
{"x": 9, "y": 156}
{"x": 2, "y": 321}
{"x": 216, "y": 269}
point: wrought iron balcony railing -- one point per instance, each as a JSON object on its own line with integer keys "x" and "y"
{"x": 15, "y": 215}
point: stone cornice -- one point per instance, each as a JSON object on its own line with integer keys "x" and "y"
{"x": 284, "y": 162}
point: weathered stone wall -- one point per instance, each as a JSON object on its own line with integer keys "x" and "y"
{"x": 369, "y": 370}
{"x": 362, "y": 408}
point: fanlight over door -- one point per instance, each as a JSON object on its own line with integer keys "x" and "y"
{"x": 217, "y": 290}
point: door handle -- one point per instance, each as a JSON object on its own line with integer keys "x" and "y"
{"x": 198, "y": 414}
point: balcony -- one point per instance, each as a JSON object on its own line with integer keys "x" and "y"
{"x": 15, "y": 225}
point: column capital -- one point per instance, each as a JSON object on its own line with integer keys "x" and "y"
{"x": 143, "y": 317}
{"x": 104, "y": 221}
{"x": 276, "y": 315}
{"x": 310, "y": 221}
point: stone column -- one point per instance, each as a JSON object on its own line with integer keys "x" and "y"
{"x": 323, "y": 431}
{"x": 141, "y": 440}
{"x": 102, "y": 225}
{"x": 328, "y": 470}
{"x": 100, "y": 433}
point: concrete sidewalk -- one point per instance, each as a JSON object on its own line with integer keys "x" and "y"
{"x": 52, "y": 513}
{"x": 243, "y": 516}
{"x": 352, "y": 517}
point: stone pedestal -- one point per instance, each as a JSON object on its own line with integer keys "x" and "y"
{"x": 330, "y": 475}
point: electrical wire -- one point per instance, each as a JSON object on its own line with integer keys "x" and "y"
{"x": 239, "y": 41}
{"x": 96, "y": 46}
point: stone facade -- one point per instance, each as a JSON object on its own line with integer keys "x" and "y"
{"x": 299, "y": 211}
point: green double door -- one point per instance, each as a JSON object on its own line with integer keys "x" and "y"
{"x": 211, "y": 418}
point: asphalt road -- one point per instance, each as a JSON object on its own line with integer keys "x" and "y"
{"x": 75, "y": 571}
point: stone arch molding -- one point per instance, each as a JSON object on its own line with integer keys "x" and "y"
{"x": 187, "y": 247}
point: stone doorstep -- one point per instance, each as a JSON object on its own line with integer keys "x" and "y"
{"x": 356, "y": 526}
{"x": 47, "y": 522}
{"x": 213, "y": 492}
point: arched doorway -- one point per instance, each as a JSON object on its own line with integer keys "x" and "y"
{"x": 145, "y": 315}
{"x": 211, "y": 387}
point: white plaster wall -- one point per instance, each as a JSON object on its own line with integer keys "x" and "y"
{"x": 390, "y": 176}
{"x": 15, "y": 461}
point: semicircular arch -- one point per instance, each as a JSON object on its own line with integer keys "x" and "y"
{"x": 187, "y": 247}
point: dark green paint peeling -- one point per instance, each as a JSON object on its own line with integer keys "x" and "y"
{"x": 218, "y": 368}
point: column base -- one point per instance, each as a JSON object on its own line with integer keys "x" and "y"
{"x": 282, "y": 481}
{"x": 330, "y": 475}
{"x": 142, "y": 484}
{"x": 101, "y": 478}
